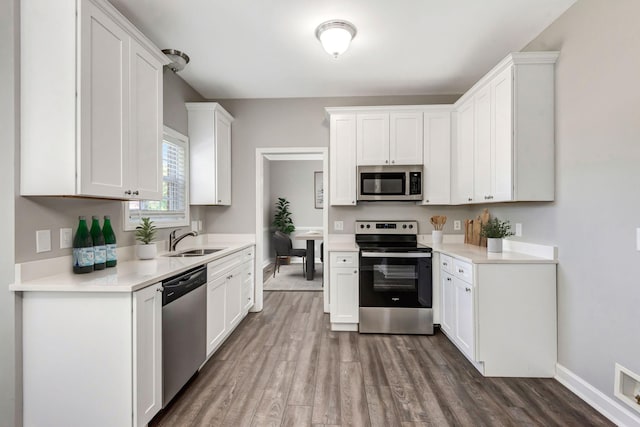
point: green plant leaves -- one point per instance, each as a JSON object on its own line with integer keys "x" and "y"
{"x": 282, "y": 219}
{"x": 146, "y": 231}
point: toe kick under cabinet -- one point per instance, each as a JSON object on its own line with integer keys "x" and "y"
{"x": 501, "y": 316}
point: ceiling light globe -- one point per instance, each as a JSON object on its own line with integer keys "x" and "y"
{"x": 335, "y": 36}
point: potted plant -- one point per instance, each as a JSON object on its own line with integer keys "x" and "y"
{"x": 145, "y": 233}
{"x": 495, "y": 230}
{"x": 282, "y": 220}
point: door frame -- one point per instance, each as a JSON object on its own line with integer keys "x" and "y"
{"x": 261, "y": 155}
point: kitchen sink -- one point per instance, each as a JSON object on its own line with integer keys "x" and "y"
{"x": 193, "y": 252}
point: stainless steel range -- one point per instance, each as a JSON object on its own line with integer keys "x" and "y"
{"x": 395, "y": 279}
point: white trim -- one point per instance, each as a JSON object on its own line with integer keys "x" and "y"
{"x": 533, "y": 249}
{"x": 619, "y": 386}
{"x": 261, "y": 153}
{"x": 594, "y": 397}
{"x": 350, "y": 327}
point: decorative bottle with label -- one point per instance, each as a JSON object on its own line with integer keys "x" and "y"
{"x": 110, "y": 242}
{"x": 99, "y": 248}
{"x": 82, "y": 249}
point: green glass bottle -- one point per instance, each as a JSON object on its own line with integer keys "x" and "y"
{"x": 110, "y": 242}
{"x": 82, "y": 249}
{"x": 99, "y": 248}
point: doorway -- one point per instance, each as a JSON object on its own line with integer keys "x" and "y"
{"x": 263, "y": 221}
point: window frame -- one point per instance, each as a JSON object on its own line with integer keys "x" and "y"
{"x": 175, "y": 137}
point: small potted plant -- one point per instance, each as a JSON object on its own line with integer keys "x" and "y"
{"x": 282, "y": 219}
{"x": 145, "y": 233}
{"x": 495, "y": 230}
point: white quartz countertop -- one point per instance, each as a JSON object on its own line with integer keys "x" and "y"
{"x": 129, "y": 275}
{"x": 479, "y": 255}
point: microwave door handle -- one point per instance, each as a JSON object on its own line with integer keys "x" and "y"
{"x": 396, "y": 254}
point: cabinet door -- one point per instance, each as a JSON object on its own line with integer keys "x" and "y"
{"x": 216, "y": 323}
{"x": 436, "y": 181}
{"x": 146, "y": 124}
{"x": 502, "y": 144}
{"x": 342, "y": 155}
{"x": 147, "y": 353}
{"x": 344, "y": 295}
{"x": 233, "y": 298}
{"x": 465, "y": 317}
{"x": 372, "y": 139}
{"x": 462, "y": 190}
{"x": 448, "y": 315}
{"x": 103, "y": 105}
{"x": 223, "y": 159}
{"x": 405, "y": 138}
{"x": 247, "y": 287}
{"x": 482, "y": 146}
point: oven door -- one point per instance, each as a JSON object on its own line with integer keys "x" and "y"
{"x": 395, "y": 279}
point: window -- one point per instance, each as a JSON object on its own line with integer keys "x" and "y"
{"x": 173, "y": 209}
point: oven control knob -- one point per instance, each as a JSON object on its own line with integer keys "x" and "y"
{"x": 368, "y": 225}
{"x": 404, "y": 225}
{"x": 410, "y": 225}
{"x": 361, "y": 225}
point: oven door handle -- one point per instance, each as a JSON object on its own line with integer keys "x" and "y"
{"x": 396, "y": 254}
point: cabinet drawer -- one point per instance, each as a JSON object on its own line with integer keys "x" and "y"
{"x": 446, "y": 263}
{"x": 247, "y": 254}
{"x": 463, "y": 270}
{"x": 344, "y": 259}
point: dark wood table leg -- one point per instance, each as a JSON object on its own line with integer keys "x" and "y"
{"x": 310, "y": 258}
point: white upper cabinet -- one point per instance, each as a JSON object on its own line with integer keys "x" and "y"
{"x": 91, "y": 109}
{"x": 511, "y": 140}
{"x": 210, "y": 151}
{"x": 389, "y": 138}
{"x": 342, "y": 159}
{"x": 436, "y": 179}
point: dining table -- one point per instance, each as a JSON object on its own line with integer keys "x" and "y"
{"x": 311, "y": 238}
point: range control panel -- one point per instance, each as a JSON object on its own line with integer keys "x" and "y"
{"x": 386, "y": 227}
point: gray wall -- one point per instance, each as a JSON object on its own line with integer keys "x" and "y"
{"x": 10, "y": 344}
{"x": 594, "y": 219}
{"x": 297, "y": 122}
{"x": 53, "y": 213}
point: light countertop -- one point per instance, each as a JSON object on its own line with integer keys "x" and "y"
{"x": 128, "y": 275}
{"x": 479, "y": 255}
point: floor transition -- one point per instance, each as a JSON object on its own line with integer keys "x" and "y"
{"x": 284, "y": 367}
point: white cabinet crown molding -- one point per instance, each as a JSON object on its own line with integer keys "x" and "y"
{"x": 208, "y": 106}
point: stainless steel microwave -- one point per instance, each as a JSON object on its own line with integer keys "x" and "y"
{"x": 390, "y": 183}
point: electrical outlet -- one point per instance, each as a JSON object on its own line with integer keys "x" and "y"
{"x": 199, "y": 225}
{"x": 66, "y": 238}
{"x": 638, "y": 239}
{"x": 194, "y": 225}
{"x": 43, "y": 241}
{"x": 457, "y": 225}
{"x": 338, "y": 225}
{"x": 518, "y": 229}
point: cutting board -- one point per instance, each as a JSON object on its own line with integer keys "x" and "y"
{"x": 473, "y": 227}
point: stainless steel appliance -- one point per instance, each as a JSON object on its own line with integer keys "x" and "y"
{"x": 184, "y": 323}
{"x": 390, "y": 183}
{"x": 395, "y": 279}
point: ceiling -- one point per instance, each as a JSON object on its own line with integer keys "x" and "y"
{"x": 268, "y": 48}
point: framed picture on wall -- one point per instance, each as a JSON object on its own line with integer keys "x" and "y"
{"x": 318, "y": 190}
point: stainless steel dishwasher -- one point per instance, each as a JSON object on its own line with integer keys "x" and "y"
{"x": 184, "y": 339}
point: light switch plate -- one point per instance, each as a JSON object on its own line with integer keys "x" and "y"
{"x": 338, "y": 225}
{"x": 66, "y": 238}
{"x": 194, "y": 225}
{"x": 518, "y": 229}
{"x": 43, "y": 241}
{"x": 456, "y": 224}
{"x": 638, "y": 239}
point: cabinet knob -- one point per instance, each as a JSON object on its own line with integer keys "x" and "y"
{"x": 386, "y": 161}
{"x": 135, "y": 193}
{"x": 355, "y": 271}
{"x": 460, "y": 270}
{"x": 353, "y": 202}
{"x": 490, "y": 197}
{"x": 128, "y": 192}
{"x": 427, "y": 200}
{"x": 469, "y": 199}
{"x": 219, "y": 201}
{"x": 486, "y": 197}
{"x": 393, "y": 161}
{"x": 467, "y": 289}
{"x": 448, "y": 279}
{"x": 445, "y": 264}
{"x": 160, "y": 289}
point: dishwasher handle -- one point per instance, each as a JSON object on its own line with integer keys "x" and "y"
{"x": 177, "y": 286}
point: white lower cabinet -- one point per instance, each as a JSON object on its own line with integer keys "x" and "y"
{"x": 103, "y": 348}
{"x": 501, "y": 316}
{"x": 344, "y": 292}
{"x": 230, "y": 288}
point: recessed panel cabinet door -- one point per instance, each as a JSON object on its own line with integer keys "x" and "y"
{"x": 233, "y": 306}
{"x": 448, "y": 302}
{"x": 103, "y": 103}
{"x": 373, "y": 139}
{"x": 462, "y": 188}
{"x": 216, "y": 324}
{"x": 482, "y": 146}
{"x": 342, "y": 164}
{"x": 502, "y": 147}
{"x": 406, "y": 142}
{"x": 465, "y": 320}
{"x": 146, "y": 124}
{"x": 147, "y": 353}
{"x": 223, "y": 159}
{"x": 436, "y": 182}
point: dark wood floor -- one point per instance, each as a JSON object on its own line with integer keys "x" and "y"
{"x": 284, "y": 367}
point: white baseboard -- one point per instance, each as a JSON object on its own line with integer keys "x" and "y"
{"x": 594, "y": 397}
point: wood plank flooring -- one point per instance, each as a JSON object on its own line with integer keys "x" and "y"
{"x": 285, "y": 367}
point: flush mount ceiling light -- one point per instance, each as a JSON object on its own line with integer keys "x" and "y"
{"x": 179, "y": 60}
{"x": 335, "y": 36}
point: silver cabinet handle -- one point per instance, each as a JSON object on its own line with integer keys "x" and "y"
{"x": 386, "y": 161}
{"x": 460, "y": 271}
{"x": 160, "y": 289}
{"x": 135, "y": 193}
{"x": 426, "y": 201}
{"x": 448, "y": 279}
{"x": 393, "y": 161}
{"x": 445, "y": 264}
{"x": 467, "y": 289}
{"x": 469, "y": 199}
{"x": 219, "y": 201}
{"x": 128, "y": 192}
{"x": 355, "y": 271}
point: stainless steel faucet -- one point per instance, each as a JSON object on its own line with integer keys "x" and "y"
{"x": 173, "y": 240}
